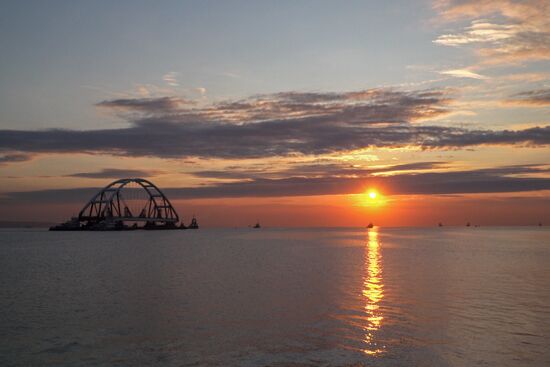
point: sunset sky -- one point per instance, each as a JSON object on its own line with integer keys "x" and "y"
{"x": 287, "y": 112}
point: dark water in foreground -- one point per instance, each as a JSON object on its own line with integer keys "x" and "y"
{"x": 288, "y": 297}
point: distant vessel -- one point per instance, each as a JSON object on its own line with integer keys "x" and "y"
{"x": 193, "y": 224}
{"x": 468, "y": 224}
{"x": 440, "y": 224}
{"x": 370, "y": 225}
{"x": 257, "y": 225}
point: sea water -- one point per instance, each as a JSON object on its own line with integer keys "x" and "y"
{"x": 276, "y": 297}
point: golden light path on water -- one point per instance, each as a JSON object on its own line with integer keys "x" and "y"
{"x": 373, "y": 292}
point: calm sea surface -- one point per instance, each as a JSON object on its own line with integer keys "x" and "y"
{"x": 276, "y": 297}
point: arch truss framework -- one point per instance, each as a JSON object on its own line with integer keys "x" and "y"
{"x": 109, "y": 204}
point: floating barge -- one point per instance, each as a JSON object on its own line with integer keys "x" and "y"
{"x": 108, "y": 210}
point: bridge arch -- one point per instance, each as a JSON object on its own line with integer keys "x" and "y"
{"x": 110, "y": 204}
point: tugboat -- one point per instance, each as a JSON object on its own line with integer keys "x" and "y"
{"x": 370, "y": 225}
{"x": 257, "y": 225}
{"x": 193, "y": 224}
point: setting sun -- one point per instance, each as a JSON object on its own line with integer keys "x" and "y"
{"x": 369, "y": 198}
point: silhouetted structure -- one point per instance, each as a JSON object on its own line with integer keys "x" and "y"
{"x": 109, "y": 209}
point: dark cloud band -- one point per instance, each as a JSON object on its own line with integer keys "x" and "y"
{"x": 283, "y": 124}
{"x": 266, "y": 139}
{"x": 504, "y": 179}
{"x": 114, "y": 173}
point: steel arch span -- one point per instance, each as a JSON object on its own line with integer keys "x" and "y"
{"x": 111, "y": 203}
{"x": 125, "y": 201}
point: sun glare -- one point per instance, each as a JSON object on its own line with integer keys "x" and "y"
{"x": 370, "y": 198}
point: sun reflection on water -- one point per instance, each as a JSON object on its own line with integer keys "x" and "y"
{"x": 373, "y": 291}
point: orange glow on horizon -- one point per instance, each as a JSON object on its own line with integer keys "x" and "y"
{"x": 370, "y": 198}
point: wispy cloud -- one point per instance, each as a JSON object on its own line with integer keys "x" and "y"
{"x": 526, "y": 77}
{"x": 462, "y": 73}
{"x": 539, "y": 97}
{"x": 479, "y": 32}
{"x": 367, "y": 106}
{"x": 516, "y": 31}
{"x": 230, "y": 74}
{"x": 171, "y": 78}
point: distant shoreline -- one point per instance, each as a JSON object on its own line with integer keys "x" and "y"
{"x": 17, "y": 224}
{"x": 46, "y": 225}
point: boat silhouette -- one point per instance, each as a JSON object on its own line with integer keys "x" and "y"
{"x": 193, "y": 224}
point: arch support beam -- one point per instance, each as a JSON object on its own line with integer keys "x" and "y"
{"x": 107, "y": 209}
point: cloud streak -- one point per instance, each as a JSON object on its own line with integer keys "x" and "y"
{"x": 495, "y": 180}
{"x": 14, "y": 158}
{"x": 146, "y": 105}
{"x": 463, "y": 73}
{"x": 367, "y": 106}
{"x": 114, "y": 173}
{"x": 314, "y": 170}
{"x": 516, "y": 31}
{"x": 171, "y": 78}
{"x": 539, "y": 97}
